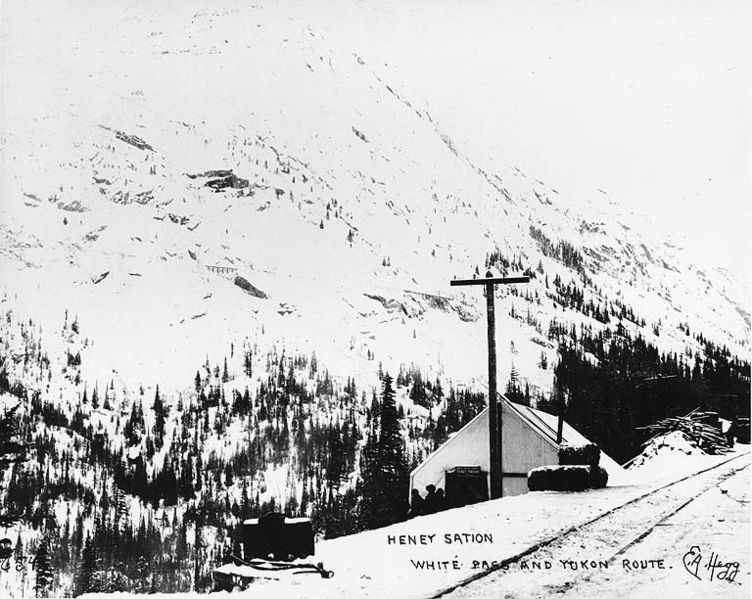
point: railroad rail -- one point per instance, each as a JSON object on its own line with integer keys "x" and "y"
{"x": 603, "y": 530}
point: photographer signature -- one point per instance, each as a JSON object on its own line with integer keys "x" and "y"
{"x": 693, "y": 562}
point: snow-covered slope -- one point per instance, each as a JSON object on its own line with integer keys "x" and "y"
{"x": 349, "y": 188}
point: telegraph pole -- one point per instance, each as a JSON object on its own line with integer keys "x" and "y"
{"x": 560, "y": 425}
{"x": 494, "y": 413}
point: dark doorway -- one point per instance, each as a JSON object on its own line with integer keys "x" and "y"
{"x": 466, "y": 485}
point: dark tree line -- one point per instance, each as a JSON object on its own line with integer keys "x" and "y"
{"x": 614, "y": 384}
{"x": 562, "y": 251}
{"x": 12, "y": 447}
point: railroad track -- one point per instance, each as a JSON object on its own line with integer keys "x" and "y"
{"x": 605, "y": 533}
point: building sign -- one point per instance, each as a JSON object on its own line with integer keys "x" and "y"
{"x": 465, "y": 471}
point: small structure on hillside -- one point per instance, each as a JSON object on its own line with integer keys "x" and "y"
{"x": 221, "y": 270}
{"x": 461, "y": 465}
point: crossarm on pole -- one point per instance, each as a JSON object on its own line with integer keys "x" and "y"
{"x": 489, "y": 280}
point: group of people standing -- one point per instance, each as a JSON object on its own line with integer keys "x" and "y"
{"x": 433, "y": 502}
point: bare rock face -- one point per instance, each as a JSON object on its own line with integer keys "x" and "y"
{"x": 100, "y": 277}
{"x": 246, "y": 286}
{"x": 221, "y": 179}
{"x": 133, "y": 140}
{"x": 209, "y": 174}
{"x": 232, "y": 181}
{"x": 391, "y": 305}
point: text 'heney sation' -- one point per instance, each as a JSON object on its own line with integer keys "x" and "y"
{"x": 449, "y": 538}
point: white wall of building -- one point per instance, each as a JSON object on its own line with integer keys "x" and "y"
{"x": 528, "y": 441}
{"x": 468, "y": 447}
{"x": 522, "y": 449}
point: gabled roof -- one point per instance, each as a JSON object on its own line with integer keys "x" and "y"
{"x": 542, "y": 423}
{"x": 545, "y": 425}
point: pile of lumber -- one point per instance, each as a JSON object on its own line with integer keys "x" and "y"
{"x": 695, "y": 427}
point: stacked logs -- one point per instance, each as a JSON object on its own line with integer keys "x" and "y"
{"x": 695, "y": 427}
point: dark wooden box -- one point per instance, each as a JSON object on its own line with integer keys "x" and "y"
{"x": 277, "y": 537}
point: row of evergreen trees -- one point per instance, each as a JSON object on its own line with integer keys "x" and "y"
{"x": 613, "y": 384}
{"x": 562, "y": 251}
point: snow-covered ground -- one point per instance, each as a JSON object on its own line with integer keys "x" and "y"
{"x": 427, "y": 555}
{"x": 667, "y": 456}
{"x": 644, "y": 547}
{"x": 716, "y": 522}
{"x": 369, "y": 566}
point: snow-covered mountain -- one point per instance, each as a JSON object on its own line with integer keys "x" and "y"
{"x": 183, "y": 187}
{"x": 343, "y": 189}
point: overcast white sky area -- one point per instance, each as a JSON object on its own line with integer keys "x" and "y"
{"x": 650, "y": 101}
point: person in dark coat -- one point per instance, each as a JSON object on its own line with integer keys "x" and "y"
{"x": 417, "y": 505}
{"x": 430, "y": 500}
{"x": 440, "y": 500}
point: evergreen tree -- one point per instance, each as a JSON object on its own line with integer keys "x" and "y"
{"x": 122, "y": 511}
{"x": 513, "y": 392}
{"x": 142, "y": 571}
{"x": 134, "y": 427}
{"x": 159, "y": 419}
{"x": 11, "y": 451}
{"x": 43, "y": 568}
{"x": 85, "y": 577}
{"x": 385, "y": 474}
{"x": 19, "y": 556}
{"x": 418, "y": 391}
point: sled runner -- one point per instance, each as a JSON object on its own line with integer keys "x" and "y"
{"x": 240, "y": 574}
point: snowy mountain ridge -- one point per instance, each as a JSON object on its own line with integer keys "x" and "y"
{"x": 349, "y": 190}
